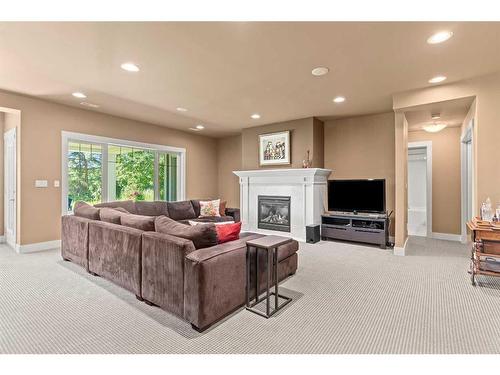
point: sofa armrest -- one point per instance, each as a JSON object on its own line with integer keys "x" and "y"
{"x": 234, "y": 212}
{"x": 75, "y": 239}
{"x": 163, "y": 270}
{"x": 214, "y": 283}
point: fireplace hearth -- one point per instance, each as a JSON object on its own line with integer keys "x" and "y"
{"x": 273, "y": 213}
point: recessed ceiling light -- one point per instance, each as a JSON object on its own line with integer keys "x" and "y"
{"x": 255, "y": 116}
{"x": 130, "y": 67}
{"x": 434, "y": 128}
{"x": 180, "y": 109}
{"x": 80, "y": 95}
{"x": 339, "y": 99}
{"x": 437, "y": 79}
{"x": 320, "y": 71}
{"x": 91, "y": 105}
{"x": 440, "y": 37}
{"x": 200, "y": 127}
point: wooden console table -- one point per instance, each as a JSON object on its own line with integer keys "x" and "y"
{"x": 485, "y": 252}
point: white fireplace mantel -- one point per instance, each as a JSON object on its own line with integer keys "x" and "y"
{"x": 306, "y": 187}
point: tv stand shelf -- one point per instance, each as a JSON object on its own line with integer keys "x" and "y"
{"x": 373, "y": 229}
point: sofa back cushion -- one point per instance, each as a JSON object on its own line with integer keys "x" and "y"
{"x": 156, "y": 208}
{"x": 112, "y": 215}
{"x": 181, "y": 210}
{"x": 201, "y": 235}
{"x": 145, "y": 223}
{"x": 128, "y": 205}
{"x": 85, "y": 210}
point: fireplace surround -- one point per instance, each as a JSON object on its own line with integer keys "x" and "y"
{"x": 306, "y": 187}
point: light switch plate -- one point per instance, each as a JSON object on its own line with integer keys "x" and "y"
{"x": 41, "y": 183}
{"x": 56, "y": 183}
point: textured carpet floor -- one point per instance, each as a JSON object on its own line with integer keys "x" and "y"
{"x": 347, "y": 299}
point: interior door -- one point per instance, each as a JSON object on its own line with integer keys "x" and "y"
{"x": 10, "y": 187}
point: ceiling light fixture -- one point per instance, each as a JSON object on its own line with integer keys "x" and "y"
{"x": 91, "y": 105}
{"x": 439, "y": 37}
{"x": 339, "y": 99}
{"x": 130, "y": 67}
{"x": 320, "y": 71}
{"x": 200, "y": 127}
{"x": 437, "y": 79}
{"x": 180, "y": 109}
{"x": 434, "y": 128}
{"x": 80, "y": 95}
{"x": 255, "y": 116}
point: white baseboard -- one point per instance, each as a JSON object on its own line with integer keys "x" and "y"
{"x": 447, "y": 236}
{"x": 38, "y": 246}
{"x": 400, "y": 251}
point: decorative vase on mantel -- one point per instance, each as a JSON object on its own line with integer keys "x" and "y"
{"x": 307, "y": 162}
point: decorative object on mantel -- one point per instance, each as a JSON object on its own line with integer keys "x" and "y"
{"x": 274, "y": 148}
{"x": 307, "y": 163}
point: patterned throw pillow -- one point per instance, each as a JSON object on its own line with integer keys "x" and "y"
{"x": 209, "y": 208}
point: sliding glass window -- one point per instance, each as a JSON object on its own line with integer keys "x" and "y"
{"x": 105, "y": 170}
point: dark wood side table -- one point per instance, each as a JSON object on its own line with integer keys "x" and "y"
{"x": 270, "y": 245}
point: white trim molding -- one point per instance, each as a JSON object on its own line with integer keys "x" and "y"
{"x": 400, "y": 251}
{"x": 447, "y": 236}
{"x": 37, "y": 246}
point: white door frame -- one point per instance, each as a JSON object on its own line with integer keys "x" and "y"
{"x": 428, "y": 150}
{"x": 467, "y": 136}
{"x": 10, "y": 236}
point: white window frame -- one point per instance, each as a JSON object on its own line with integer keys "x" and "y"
{"x": 66, "y": 137}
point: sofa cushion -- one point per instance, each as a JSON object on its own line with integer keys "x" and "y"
{"x": 210, "y": 208}
{"x": 128, "y": 205}
{"x": 85, "y": 210}
{"x": 156, "y": 208}
{"x": 112, "y": 215}
{"x": 146, "y": 223}
{"x": 181, "y": 210}
{"x": 201, "y": 235}
{"x": 222, "y": 208}
{"x": 196, "y": 206}
{"x": 228, "y": 232}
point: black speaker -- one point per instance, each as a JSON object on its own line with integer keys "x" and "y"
{"x": 312, "y": 233}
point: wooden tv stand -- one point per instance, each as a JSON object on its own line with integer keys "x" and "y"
{"x": 367, "y": 228}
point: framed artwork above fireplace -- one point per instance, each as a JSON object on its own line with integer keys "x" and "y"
{"x": 274, "y": 148}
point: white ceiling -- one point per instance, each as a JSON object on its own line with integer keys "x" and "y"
{"x": 223, "y": 71}
{"x": 452, "y": 113}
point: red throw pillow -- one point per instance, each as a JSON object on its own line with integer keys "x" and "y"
{"x": 228, "y": 232}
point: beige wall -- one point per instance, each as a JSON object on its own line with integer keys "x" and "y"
{"x": 42, "y": 123}
{"x": 486, "y": 130}
{"x": 362, "y": 147}
{"x": 446, "y": 178}
{"x": 229, "y": 160}
{"x": 302, "y": 138}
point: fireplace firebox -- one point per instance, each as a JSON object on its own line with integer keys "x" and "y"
{"x": 274, "y": 213}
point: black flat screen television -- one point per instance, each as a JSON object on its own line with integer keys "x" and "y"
{"x": 356, "y": 195}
